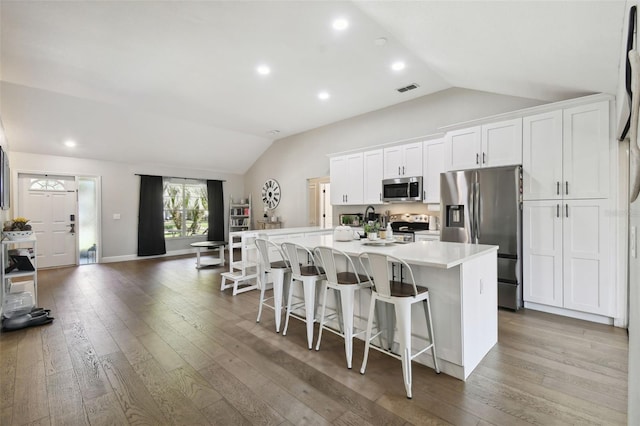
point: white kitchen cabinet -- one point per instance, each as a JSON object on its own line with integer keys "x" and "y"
{"x": 566, "y": 255}
{"x": 403, "y": 160}
{"x": 502, "y": 143}
{"x": 542, "y": 156}
{"x": 433, "y": 162}
{"x": 566, "y": 153}
{"x": 373, "y": 175}
{"x": 462, "y": 148}
{"x": 489, "y": 145}
{"x": 346, "y": 179}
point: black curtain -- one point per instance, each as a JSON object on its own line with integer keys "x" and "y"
{"x": 151, "y": 217}
{"x": 216, "y": 210}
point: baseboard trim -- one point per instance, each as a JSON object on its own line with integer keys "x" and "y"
{"x": 569, "y": 313}
{"x": 130, "y": 257}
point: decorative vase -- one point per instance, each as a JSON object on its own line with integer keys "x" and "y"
{"x": 17, "y": 235}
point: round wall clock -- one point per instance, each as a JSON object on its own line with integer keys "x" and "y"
{"x": 271, "y": 193}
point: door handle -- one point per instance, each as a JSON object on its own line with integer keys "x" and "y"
{"x": 477, "y": 211}
{"x": 402, "y": 170}
{"x": 484, "y": 158}
{"x": 566, "y": 210}
{"x": 557, "y": 210}
{"x": 477, "y": 158}
{"x": 566, "y": 187}
{"x": 558, "y": 188}
{"x": 398, "y": 170}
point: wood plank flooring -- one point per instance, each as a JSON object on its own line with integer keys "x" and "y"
{"x": 156, "y": 342}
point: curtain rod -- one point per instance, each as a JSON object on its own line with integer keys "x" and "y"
{"x": 178, "y": 177}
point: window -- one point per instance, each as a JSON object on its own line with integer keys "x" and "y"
{"x": 46, "y": 185}
{"x": 186, "y": 209}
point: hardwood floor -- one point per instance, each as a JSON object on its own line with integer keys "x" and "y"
{"x": 156, "y": 342}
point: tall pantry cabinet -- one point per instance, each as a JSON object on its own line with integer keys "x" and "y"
{"x": 567, "y": 228}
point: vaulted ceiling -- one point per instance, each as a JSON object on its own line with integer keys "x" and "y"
{"x": 175, "y": 82}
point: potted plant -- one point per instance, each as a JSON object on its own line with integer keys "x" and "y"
{"x": 371, "y": 228}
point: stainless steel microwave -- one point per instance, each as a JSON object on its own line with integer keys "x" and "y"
{"x": 402, "y": 189}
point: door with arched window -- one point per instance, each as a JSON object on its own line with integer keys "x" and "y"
{"x": 50, "y": 203}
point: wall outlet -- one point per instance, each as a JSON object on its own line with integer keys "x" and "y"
{"x": 633, "y": 243}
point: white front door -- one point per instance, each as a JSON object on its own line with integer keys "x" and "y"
{"x": 50, "y": 204}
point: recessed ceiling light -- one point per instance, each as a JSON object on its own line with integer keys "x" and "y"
{"x": 69, "y": 143}
{"x": 324, "y": 96}
{"x": 263, "y": 70}
{"x": 340, "y": 24}
{"x": 398, "y": 66}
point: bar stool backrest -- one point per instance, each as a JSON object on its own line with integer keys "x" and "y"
{"x": 380, "y": 272}
{"x": 264, "y": 247}
{"x": 296, "y": 255}
{"x": 327, "y": 257}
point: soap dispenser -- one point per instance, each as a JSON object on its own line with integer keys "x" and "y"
{"x": 389, "y": 231}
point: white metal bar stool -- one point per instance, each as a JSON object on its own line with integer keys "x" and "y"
{"x": 276, "y": 270}
{"x": 402, "y": 296}
{"x": 305, "y": 271}
{"x": 345, "y": 281}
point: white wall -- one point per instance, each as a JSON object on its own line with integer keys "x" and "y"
{"x": 633, "y": 406}
{"x": 293, "y": 160}
{"x": 120, "y": 194}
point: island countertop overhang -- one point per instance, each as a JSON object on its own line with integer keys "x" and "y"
{"x": 435, "y": 254}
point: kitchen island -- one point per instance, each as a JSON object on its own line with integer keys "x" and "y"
{"x": 462, "y": 282}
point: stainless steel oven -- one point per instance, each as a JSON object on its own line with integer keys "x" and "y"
{"x": 407, "y": 227}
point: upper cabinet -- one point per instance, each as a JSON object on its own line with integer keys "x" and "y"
{"x": 489, "y": 145}
{"x": 346, "y": 179}
{"x": 403, "y": 160}
{"x": 566, "y": 153}
{"x": 373, "y": 175}
{"x": 433, "y": 161}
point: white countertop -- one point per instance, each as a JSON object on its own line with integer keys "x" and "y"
{"x": 436, "y": 254}
{"x": 283, "y": 231}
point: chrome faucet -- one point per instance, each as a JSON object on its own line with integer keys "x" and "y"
{"x": 366, "y": 212}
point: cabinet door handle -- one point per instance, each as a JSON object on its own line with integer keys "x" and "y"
{"x": 557, "y": 210}
{"x": 381, "y": 196}
{"x": 398, "y": 170}
{"x": 402, "y": 170}
{"x": 484, "y": 158}
{"x": 566, "y": 187}
{"x": 566, "y": 210}
{"x": 424, "y": 195}
{"x": 558, "y": 188}
{"x": 477, "y": 158}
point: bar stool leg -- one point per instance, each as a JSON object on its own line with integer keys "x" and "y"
{"x": 347, "y": 297}
{"x": 278, "y": 284}
{"x": 263, "y": 286}
{"x": 427, "y": 310}
{"x": 309, "y": 289}
{"x": 403, "y": 318}
{"x": 322, "y": 314}
{"x": 286, "y": 318}
{"x": 367, "y": 338}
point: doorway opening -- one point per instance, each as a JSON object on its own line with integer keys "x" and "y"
{"x": 320, "y": 210}
{"x": 88, "y": 219}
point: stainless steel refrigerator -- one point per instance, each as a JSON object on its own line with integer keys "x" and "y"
{"x": 484, "y": 206}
